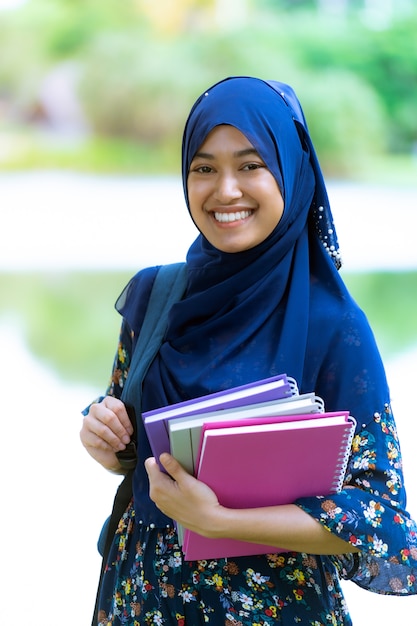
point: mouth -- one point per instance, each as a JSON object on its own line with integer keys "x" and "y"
{"x": 230, "y": 218}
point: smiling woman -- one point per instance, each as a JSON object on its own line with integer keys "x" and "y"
{"x": 263, "y": 296}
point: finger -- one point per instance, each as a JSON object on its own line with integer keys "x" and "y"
{"x": 95, "y": 434}
{"x": 104, "y": 423}
{"x": 119, "y": 409}
{"x": 99, "y": 450}
{"x": 90, "y": 440}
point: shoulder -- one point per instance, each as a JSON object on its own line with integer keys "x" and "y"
{"x": 133, "y": 300}
{"x": 142, "y": 281}
{"x": 341, "y": 322}
{"x": 337, "y": 308}
{"x": 345, "y": 365}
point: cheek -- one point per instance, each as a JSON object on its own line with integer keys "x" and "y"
{"x": 197, "y": 193}
{"x": 279, "y": 210}
{"x": 195, "y": 207}
{"x": 277, "y": 206}
{"x": 191, "y": 192}
{"x": 192, "y": 204}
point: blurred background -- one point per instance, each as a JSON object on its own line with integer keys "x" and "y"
{"x": 93, "y": 98}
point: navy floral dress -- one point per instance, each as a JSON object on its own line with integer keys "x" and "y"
{"x": 147, "y": 582}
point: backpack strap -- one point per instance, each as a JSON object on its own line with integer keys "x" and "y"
{"x": 168, "y": 288}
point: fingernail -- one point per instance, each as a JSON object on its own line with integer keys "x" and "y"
{"x": 125, "y": 439}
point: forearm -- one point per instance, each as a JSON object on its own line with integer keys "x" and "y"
{"x": 285, "y": 526}
{"x": 195, "y": 506}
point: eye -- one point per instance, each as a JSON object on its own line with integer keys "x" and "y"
{"x": 202, "y": 169}
{"x": 253, "y": 166}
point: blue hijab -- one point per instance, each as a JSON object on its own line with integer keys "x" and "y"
{"x": 278, "y": 307}
{"x": 246, "y": 315}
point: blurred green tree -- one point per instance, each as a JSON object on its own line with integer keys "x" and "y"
{"x": 141, "y": 63}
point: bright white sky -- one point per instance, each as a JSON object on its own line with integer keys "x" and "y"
{"x": 11, "y": 4}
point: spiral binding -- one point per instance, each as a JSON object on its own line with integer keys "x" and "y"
{"x": 343, "y": 458}
{"x": 319, "y": 403}
{"x": 293, "y": 386}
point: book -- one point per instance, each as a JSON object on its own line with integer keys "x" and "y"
{"x": 251, "y": 465}
{"x": 185, "y": 432}
{"x": 156, "y": 421}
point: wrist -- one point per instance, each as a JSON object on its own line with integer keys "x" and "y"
{"x": 116, "y": 468}
{"x": 220, "y": 523}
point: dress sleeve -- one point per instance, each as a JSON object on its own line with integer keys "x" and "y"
{"x": 370, "y": 512}
{"x": 121, "y": 361}
{"x": 372, "y": 515}
{"x": 121, "y": 365}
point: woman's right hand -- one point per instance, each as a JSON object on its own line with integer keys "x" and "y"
{"x": 106, "y": 430}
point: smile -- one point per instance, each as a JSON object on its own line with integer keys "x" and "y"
{"x": 232, "y": 217}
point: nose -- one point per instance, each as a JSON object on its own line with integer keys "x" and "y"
{"x": 227, "y": 189}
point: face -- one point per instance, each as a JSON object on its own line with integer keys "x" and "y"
{"x": 234, "y": 200}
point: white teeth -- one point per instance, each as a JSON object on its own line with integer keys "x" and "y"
{"x": 231, "y": 217}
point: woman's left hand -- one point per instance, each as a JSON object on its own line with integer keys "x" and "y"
{"x": 182, "y": 497}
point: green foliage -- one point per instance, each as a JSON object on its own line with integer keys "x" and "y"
{"x": 23, "y": 64}
{"x": 358, "y": 84}
{"x": 384, "y": 59}
{"x": 138, "y": 85}
{"x": 103, "y": 154}
{"x": 99, "y": 154}
{"x": 70, "y": 322}
{"x": 68, "y": 319}
{"x": 129, "y": 89}
{"x": 395, "y": 67}
{"x": 346, "y": 121}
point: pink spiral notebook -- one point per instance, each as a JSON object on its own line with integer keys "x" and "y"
{"x": 255, "y": 464}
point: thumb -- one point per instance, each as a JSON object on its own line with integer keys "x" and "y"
{"x": 174, "y": 469}
{"x": 152, "y": 467}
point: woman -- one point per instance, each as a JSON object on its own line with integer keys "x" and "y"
{"x": 263, "y": 297}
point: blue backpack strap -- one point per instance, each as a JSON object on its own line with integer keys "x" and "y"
{"x": 168, "y": 288}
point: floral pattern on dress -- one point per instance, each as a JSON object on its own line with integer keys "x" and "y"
{"x": 246, "y": 591}
{"x": 282, "y": 588}
{"x": 370, "y": 517}
{"x": 120, "y": 368}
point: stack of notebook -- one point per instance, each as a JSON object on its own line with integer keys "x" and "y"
{"x": 260, "y": 444}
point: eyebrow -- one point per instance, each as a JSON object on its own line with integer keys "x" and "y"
{"x": 238, "y": 154}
